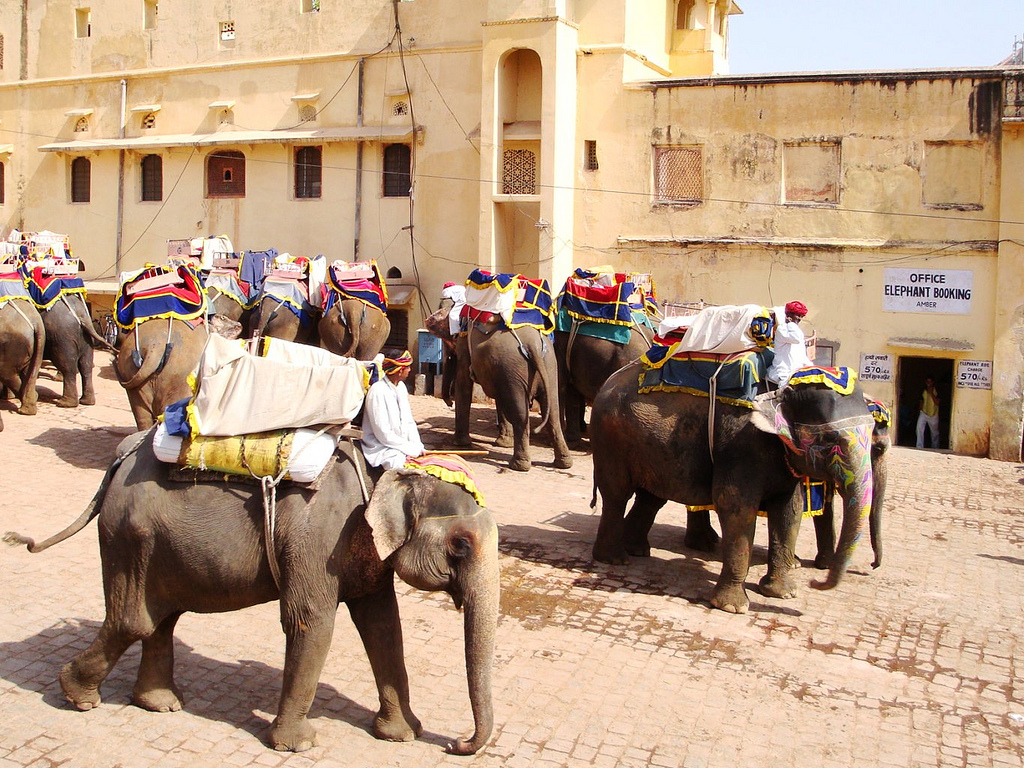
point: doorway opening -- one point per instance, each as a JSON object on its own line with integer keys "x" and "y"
{"x": 910, "y": 381}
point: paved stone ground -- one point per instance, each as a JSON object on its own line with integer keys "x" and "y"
{"x": 916, "y": 664}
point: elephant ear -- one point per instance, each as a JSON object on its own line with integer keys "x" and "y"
{"x": 767, "y": 412}
{"x": 390, "y": 518}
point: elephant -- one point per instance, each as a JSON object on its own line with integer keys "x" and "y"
{"x": 22, "y": 340}
{"x": 514, "y": 368}
{"x": 584, "y": 364}
{"x": 226, "y": 307}
{"x": 170, "y": 547}
{"x": 154, "y": 362}
{"x": 656, "y": 446}
{"x": 70, "y": 340}
{"x": 352, "y": 328}
{"x": 270, "y": 317}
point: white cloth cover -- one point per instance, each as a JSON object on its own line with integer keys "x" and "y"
{"x": 309, "y": 455}
{"x": 490, "y": 299}
{"x": 317, "y": 278}
{"x": 722, "y": 330}
{"x": 457, "y": 295}
{"x": 239, "y": 393}
{"x": 208, "y": 247}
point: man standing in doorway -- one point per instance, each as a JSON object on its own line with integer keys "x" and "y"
{"x": 929, "y": 415}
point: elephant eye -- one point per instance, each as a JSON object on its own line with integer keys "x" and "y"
{"x": 459, "y": 546}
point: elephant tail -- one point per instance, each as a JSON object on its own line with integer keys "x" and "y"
{"x": 150, "y": 365}
{"x": 14, "y": 539}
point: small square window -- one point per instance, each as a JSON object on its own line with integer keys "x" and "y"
{"x": 227, "y": 31}
{"x": 678, "y": 175}
{"x": 83, "y": 22}
{"x": 150, "y": 8}
{"x": 590, "y": 155}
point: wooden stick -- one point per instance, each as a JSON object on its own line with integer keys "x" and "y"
{"x": 457, "y": 453}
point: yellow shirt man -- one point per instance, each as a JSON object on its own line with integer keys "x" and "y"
{"x": 929, "y": 415}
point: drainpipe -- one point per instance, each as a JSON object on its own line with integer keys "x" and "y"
{"x": 120, "y": 179}
{"x": 359, "y": 167}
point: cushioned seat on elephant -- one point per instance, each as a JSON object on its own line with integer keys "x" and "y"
{"x": 510, "y": 300}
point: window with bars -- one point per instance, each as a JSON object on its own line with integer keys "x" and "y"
{"x": 152, "y": 178}
{"x": 590, "y": 155}
{"x": 308, "y": 172}
{"x": 519, "y": 172}
{"x": 397, "y": 170}
{"x": 3, "y": 185}
{"x": 1, "y": 51}
{"x": 149, "y": 120}
{"x": 81, "y": 180}
{"x": 678, "y": 175}
{"x": 225, "y": 174}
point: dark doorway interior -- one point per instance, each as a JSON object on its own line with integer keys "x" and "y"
{"x": 911, "y": 373}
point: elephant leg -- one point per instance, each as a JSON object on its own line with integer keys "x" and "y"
{"x": 520, "y": 420}
{"x": 737, "y": 519}
{"x": 27, "y": 394}
{"x": 144, "y": 418}
{"x": 80, "y": 678}
{"x": 69, "y": 380}
{"x": 825, "y": 531}
{"x": 700, "y": 535}
{"x": 305, "y": 652}
{"x": 154, "y": 687}
{"x": 639, "y": 521}
{"x": 506, "y": 433}
{"x": 610, "y": 547}
{"x": 574, "y": 410}
{"x": 377, "y": 621}
{"x": 85, "y": 365}
{"x": 784, "y": 516}
{"x": 463, "y": 397}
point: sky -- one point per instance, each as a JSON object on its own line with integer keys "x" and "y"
{"x": 814, "y": 35}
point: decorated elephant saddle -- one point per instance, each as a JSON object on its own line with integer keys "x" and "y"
{"x": 605, "y": 304}
{"x": 12, "y": 285}
{"x": 359, "y": 280}
{"x": 227, "y": 282}
{"x": 168, "y": 290}
{"x": 510, "y": 300}
{"x": 448, "y": 467}
{"x": 296, "y": 283}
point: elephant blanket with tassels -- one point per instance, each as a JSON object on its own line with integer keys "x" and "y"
{"x": 605, "y": 304}
{"x": 172, "y": 291}
{"x": 511, "y": 299}
{"x": 358, "y": 280}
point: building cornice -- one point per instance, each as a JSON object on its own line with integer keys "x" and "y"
{"x": 948, "y": 247}
{"x": 530, "y": 20}
{"x": 865, "y": 76}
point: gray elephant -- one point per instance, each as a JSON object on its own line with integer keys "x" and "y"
{"x": 514, "y": 368}
{"x": 584, "y": 363}
{"x": 70, "y": 339}
{"x": 22, "y": 340}
{"x": 154, "y": 362}
{"x": 656, "y": 446}
{"x": 171, "y": 547}
{"x": 352, "y": 328}
{"x": 222, "y": 305}
{"x": 271, "y": 317}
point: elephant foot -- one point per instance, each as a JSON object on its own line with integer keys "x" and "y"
{"x": 821, "y": 562}
{"x": 730, "y": 599}
{"x": 158, "y": 699}
{"x": 782, "y": 588}
{"x": 396, "y": 727}
{"x": 638, "y": 549}
{"x": 563, "y": 462}
{"x": 519, "y": 465}
{"x": 505, "y": 441}
{"x": 613, "y": 555}
{"x": 28, "y": 410}
{"x": 702, "y": 538}
{"x": 87, "y": 400}
{"x": 462, "y": 441}
{"x": 81, "y": 696}
{"x": 294, "y": 737}
{"x": 67, "y": 402}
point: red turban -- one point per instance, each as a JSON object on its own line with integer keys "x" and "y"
{"x": 796, "y": 308}
{"x": 447, "y": 285}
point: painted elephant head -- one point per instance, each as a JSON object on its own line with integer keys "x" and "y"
{"x": 432, "y": 548}
{"x": 828, "y": 435}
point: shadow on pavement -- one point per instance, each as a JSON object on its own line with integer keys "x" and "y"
{"x": 82, "y": 448}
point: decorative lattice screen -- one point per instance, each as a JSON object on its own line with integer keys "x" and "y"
{"x": 82, "y": 125}
{"x": 400, "y": 108}
{"x": 519, "y": 172}
{"x": 149, "y": 121}
{"x": 679, "y": 174}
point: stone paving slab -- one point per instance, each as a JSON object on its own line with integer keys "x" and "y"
{"x": 916, "y": 664}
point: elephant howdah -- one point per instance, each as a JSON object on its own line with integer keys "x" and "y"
{"x": 170, "y": 547}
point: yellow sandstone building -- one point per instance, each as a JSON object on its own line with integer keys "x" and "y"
{"x": 539, "y": 136}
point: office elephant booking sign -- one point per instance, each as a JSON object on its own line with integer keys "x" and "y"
{"x": 943, "y": 291}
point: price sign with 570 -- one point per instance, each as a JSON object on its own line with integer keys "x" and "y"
{"x": 974, "y": 374}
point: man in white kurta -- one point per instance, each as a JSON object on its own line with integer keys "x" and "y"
{"x": 790, "y": 345}
{"x": 390, "y": 434}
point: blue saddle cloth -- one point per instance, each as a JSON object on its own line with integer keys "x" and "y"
{"x": 737, "y": 376}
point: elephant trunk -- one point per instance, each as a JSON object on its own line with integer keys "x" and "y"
{"x": 850, "y": 469}
{"x": 880, "y": 475}
{"x": 481, "y": 618}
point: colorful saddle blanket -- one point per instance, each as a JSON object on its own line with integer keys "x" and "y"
{"x": 880, "y": 411}
{"x": 12, "y": 286}
{"x": 601, "y": 297}
{"x": 519, "y": 301}
{"x": 228, "y": 284}
{"x": 841, "y": 380}
{"x": 450, "y": 468}
{"x": 293, "y": 294}
{"x": 173, "y": 291}
{"x": 45, "y": 289}
{"x": 735, "y": 377}
{"x": 349, "y": 280}
{"x": 619, "y": 334}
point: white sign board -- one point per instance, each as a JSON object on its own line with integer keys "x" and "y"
{"x": 944, "y": 291}
{"x": 974, "y": 374}
{"x": 876, "y": 367}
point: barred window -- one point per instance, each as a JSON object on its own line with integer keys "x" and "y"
{"x": 2, "y": 184}
{"x": 397, "y": 170}
{"x": 152, "y": 178}
{"x": 519, "y": 172}
{"x": 308, "y": 172}
{"x": 81, "y": 180}
{"x": 225, "y": 174}
{"x": 590, "y": 151}
{"x": 678, "y": 175}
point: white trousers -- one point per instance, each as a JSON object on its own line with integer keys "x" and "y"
{"x": 932, "y": 422}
